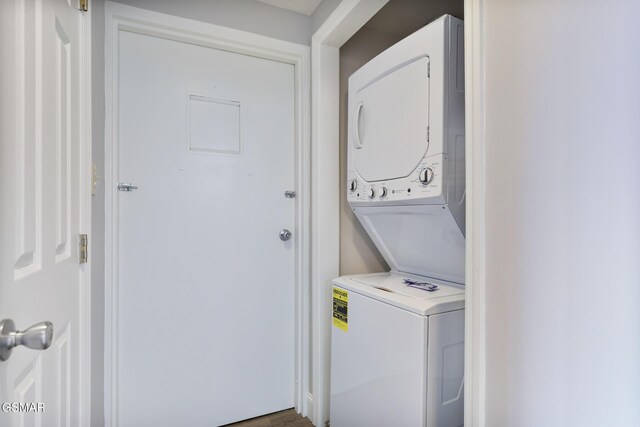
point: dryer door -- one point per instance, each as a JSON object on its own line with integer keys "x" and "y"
{"x": 388, "y": 122}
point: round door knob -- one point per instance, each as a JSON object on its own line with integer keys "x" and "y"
{"x": 372, "y": 193}
{"x": 382, "y": 192}
{"x": 285, "y": 235}
{"x": 37, "y": 337}
{"x": 426, "y": 176}
{"x": 353, "y": 185}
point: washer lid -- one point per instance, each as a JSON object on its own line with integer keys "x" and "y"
{"x": 389, "y": 120}
{"x": 424, "y": 240}
{"x": 390, "y": 288}
{"x": 395, "y": 283}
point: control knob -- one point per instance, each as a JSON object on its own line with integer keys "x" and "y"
{"x": 382, "y": 192}
{"x": 426, "y": 176}
{"x": 353, "y": 185}
{"x": 372, "y": 193}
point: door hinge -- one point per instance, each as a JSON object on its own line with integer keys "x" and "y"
{"x": 84, "y": 249}
{"x": 428, "y": 134}
{"x": 84, "y": 5}
{"x": 429, "y": 69}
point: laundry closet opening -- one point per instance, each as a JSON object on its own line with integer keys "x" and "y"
{"x": 395, "y": 21}
{"x": 398, "y": 327}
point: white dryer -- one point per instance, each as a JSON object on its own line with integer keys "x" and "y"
{"x": 397, "y": 350}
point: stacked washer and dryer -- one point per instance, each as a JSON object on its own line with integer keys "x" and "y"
{"x": 397, "y": 355}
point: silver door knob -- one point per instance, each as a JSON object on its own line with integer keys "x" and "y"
{"x": 37, "y": 337}
{"x": 285, "y": 235}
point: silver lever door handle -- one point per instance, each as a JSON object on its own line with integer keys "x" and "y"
{"x": 126, "y": 186}
{"x": 37, "y": 337}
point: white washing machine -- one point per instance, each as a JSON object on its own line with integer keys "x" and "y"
{"x": 397, "y": 355}
{"x": 398, "y": 359}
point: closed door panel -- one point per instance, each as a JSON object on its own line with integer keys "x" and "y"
{"x": 205, "y": 286}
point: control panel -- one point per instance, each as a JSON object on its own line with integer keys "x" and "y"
{"x": 424, "y": 185}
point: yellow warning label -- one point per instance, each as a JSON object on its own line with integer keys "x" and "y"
{"x": 340, "y": 309}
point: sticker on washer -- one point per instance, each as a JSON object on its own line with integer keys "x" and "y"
{"x": 340, "y": 309}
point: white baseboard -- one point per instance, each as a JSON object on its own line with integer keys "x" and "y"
{"x": 309, "y": 406}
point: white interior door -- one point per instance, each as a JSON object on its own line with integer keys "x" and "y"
{"x": 205, "y": 286}
{"x": 41, "y": 208}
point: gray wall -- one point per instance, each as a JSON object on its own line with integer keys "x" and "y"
{"x": 562, "y": 213}
{"x": 247, "y": 15}
{"x": 96, "y": 243}
{"x": 322, "y": 12}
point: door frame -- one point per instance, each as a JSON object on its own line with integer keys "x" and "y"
{"x": 346, "y": 19}
{"x": 87, "y": 181}
{"x": 120, "y": 17}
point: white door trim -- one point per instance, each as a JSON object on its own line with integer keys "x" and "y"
{"x": 121, "y": 17}
{"x": 475, "y": 306}
{"x": 86, "y": 188}
{"x": 348, "y": 18}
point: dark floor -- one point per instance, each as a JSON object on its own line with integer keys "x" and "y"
{"x": 287, "y": 418}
